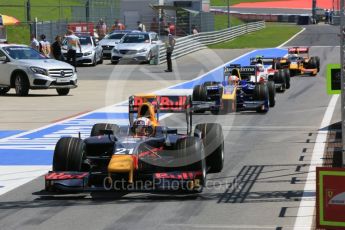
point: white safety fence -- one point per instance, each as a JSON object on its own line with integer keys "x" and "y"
{"x": 193, "y": 43}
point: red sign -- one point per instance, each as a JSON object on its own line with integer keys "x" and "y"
{"x": 330, "y": 198}
{"x": 82, "y": 27}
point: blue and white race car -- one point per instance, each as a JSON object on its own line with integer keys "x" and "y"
{"x": 239, "y": 91}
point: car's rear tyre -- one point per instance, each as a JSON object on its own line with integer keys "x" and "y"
{"x": 279, "y": 78}
{"x": 199, "y": 94}
{"x": 261, "y": 94}
{"x": 63, "y": 91}
{"x": 68, "y": 154}
{"x": 213, "y": 140}
{"x": 98, "y": 129}
{"x": 4, "y": 90}
{"x": 191, "y": 157}
{"x": 21, "y": 84}
{"x": 287, "y": 78}
{"x": 318, "y": 63}
{"x": 314, "y": 64}
{"x": 272, "y": 93}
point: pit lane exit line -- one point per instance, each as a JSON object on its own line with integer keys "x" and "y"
{"x": 306, "y": 210}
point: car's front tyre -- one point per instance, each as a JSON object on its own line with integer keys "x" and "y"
{"x": 63, "y": 91}
{"x": 21, "y": 84}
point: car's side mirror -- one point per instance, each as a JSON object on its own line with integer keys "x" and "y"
{"x": 3, "y": 59}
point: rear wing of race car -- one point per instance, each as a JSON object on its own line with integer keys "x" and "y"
{"x": 266, "y": 61}
{"x": 263, "y": 60}
{"x": 162, "y": 104}
{"x": 298, "y": 50}
{"x": 243, "y": 72}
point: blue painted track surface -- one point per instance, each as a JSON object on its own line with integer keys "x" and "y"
{"x": 8, "y": 133}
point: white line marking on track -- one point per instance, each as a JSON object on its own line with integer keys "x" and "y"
{"x": 293, "y": 37}
{"x": 305, "y": 215}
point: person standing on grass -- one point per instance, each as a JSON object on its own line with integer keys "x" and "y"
{"x": 56, "y": 49}
{"x": 73, "y": 44}
{"x": 169, "y": 45}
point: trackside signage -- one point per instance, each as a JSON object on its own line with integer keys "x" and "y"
{"x": 330, "y": 198}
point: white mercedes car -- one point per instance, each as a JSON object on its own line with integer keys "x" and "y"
{"x": 110, "y": 40}
{"x": 138, "y": 46}
{"x": 23, "y": 68}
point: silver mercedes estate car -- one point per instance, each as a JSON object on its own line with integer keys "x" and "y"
{"x": 24, "y": 68}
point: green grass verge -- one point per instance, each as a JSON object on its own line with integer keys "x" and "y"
{"x": 221, "y": 21}
{"x": 50, "y": 11}
{"x": 273, "y": 35}
{"x": 233, "y": 2}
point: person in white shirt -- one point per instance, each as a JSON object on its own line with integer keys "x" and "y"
{"x": 44, "y": 46}
{"x": 169, "y": 45}
{"x": 34, "y": 43}
{"x": 141, "y": 26}
{"x": 72, "y": 44}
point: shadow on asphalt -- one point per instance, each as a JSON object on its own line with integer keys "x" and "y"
{"x": 240, "y": 190}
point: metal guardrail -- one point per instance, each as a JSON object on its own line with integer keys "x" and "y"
{"x": 193, "y": 43}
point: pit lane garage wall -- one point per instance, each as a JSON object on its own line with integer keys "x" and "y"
{"x": 27, "y": 155}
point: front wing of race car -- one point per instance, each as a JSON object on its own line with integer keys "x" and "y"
{"x": 217, "y": 95}
{"x": 99, "y": 181}
{"x": 312, "y": 72}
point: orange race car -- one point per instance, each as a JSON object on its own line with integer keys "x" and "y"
{"x": 299, "y": 62}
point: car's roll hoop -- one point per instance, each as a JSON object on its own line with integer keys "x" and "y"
{"x": 152, "y": 105}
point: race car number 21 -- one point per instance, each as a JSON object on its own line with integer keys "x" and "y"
{"x": 122, "y": 151}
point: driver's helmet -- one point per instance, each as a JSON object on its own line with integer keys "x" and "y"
{"x": 293, "y": 56}
{"x": 233, "y": 79}
{"x": 260, "y": 67}
{"x": 143, "y": 127}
